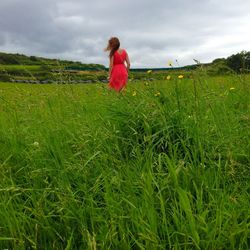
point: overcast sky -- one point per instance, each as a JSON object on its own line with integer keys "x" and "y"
{"x": 152, "y": 31}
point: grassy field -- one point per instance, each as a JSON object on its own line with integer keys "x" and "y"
{"x": 165, "y": 166}
{"x": 18, "y": 67}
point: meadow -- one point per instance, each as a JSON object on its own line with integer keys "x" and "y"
{"x": 163, "y": 166}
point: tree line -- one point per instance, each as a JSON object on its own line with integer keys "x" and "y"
{"x": 10, "y": 59}
{"x": 239, "y": 62}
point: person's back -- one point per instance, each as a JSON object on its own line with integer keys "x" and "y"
{"x": 119, "y": 56}
{"x": 118, "y": 71}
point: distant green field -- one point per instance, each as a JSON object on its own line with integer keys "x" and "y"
{"x": 163, "y": 166}
{"x": 23, "y": 67}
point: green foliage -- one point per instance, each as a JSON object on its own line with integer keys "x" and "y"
{"x": 21, "y": 67}
{"x": 239, "y": 62}
{"x": 219, "y": 60}
{"x": 18, "y": 67}
{"x": 219, "y": 67}
{"x": 4, "y": 77}
{"x": 8, "y": 59}
{"x": 164, "y": 166}
{"x": 33, "y": 58}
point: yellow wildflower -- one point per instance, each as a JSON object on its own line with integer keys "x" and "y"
{"x": 157, "y": 94}
{"x": 180, "y": 76}
{"x": 149, "y": 71}
{"x": 134, "y": 93}
{"x": 168, "y": 77}
{"x": 170, "y": 63}
{"x": 232, "y": 88}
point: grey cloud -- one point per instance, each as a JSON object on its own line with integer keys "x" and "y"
{"x": 151, "y": 31}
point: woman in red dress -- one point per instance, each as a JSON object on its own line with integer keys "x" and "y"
{"x": 118, "y": 71}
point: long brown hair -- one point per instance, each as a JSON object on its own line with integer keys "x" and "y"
{"x": 113, "y": 46}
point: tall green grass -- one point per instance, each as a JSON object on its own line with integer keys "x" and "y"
{"x": 165, "y": 166}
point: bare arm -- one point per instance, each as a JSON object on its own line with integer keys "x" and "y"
{"x": 127, "y": 62}
{"x": 111, "y": 60}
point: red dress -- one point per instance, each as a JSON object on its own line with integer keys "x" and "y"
{"x": 119, "y": 73}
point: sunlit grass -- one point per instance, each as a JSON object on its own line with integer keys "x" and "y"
{"x": 18, "y": 67}
{"x": 163, "y": 166}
